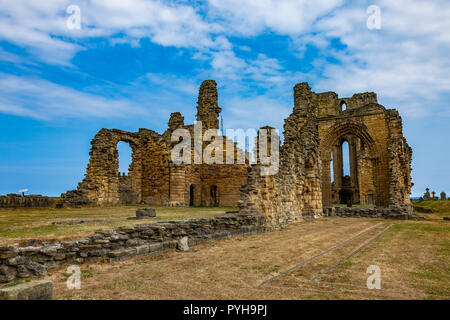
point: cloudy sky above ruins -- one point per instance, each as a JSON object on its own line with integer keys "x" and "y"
{"x": 134, "y": 62}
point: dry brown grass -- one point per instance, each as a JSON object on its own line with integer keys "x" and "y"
{"x": 413, "y": 257}
{"x": 19, "y": 224}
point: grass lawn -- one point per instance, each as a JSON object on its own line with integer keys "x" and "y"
{"x": 441, "y": 208}
{"x": 19, "y": 224}
{"x": 413, "y": 256}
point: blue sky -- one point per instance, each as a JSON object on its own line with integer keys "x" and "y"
{"x": 134, "y": 62}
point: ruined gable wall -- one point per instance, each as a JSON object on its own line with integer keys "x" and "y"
{"x": 228, "y": 178}
{"x": 296, "y": 190}
{"x": 400, "y": 157}
{"x": 101, "y": 184}
{"x": 380, "y": 165}
{"x": 378, "y": 131}
{"x": 371, "y": 150}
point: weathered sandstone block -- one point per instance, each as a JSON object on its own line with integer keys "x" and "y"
{"x": 34, "y": 290}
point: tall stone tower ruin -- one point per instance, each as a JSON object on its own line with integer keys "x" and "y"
{"x": 208, "y": 109}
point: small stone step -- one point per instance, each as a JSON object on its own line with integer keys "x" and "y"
{"x": 34, "y": 290}
{"x": 146, "y": 212}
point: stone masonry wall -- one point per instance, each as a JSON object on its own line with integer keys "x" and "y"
{"x": 295, "y": 191}
{"x": 152, "y": 176}
{"x": 122, "y": 243}
{"x": 29, "y": 201}
{"x": 394, "y": 212}
{"x": 379, "y": 159}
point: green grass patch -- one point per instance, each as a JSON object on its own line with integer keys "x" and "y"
{"x": 18, "y": 224}
{"x": 15, "y": 283}
{"x": 441, "y": 208}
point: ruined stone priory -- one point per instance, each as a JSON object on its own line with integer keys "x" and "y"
{"x": 311, "y": 162}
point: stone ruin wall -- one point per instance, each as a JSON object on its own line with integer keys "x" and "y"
{"x": 29, "y": 201}
{"x": 295, "y": 191}
{"x": 380, "y": 162}
{"x": 153, "y": 177}
{"x": 380, "y": 159}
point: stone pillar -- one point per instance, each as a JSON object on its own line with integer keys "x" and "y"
{"x": 207, "y": 106}
{"x": 177, "y": 185}
{"x": 176, "y": 121}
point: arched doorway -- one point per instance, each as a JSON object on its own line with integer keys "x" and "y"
{"x": 124, "y": 156}
{"x": 191, "y": 195}
{"x": 347, "y": 177}
{"x": 346, "y": 196}
{"x": 214, "y": 197}
{"x": 351, "y": 170}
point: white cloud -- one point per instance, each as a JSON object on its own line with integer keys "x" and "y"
{"x": 263, "y": 71}
{"x": 406, "y": 62}
{"x": 40, "y": 26}
{"x": 44, "y": 100}
{"x": 288, "y": 17}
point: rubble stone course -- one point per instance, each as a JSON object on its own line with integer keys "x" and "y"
{"x": 395, "y": 212}
{"x": 28, "y": 201}
{"x": 123, "y": 243}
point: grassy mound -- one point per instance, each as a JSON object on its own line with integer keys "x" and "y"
{"x": 439, "y": 208}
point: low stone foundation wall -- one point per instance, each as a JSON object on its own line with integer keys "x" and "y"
{"x": 397, "y": 212}
{"x": 31, "y": 201}
{"x": 122, "y": 243}
{"x": 34, "y": 290}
